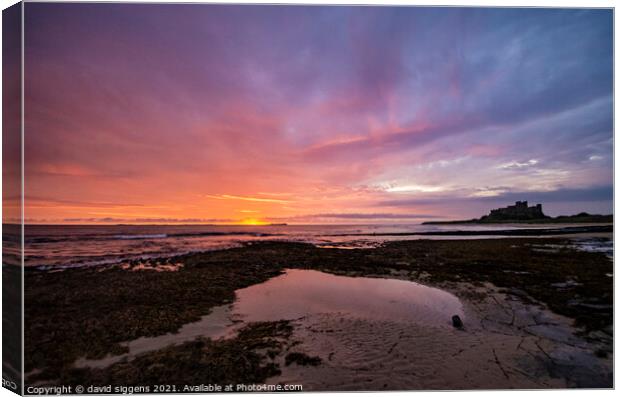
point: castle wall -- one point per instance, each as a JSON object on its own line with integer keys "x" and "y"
{"x": 518, "y": 211}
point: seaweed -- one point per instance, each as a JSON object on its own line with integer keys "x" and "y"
{"x": 201, "y": 361}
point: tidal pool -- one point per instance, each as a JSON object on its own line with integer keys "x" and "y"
{"x": 301, "y": 293}
{"x": 305, "y": 293}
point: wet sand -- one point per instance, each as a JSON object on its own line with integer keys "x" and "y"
{"x": 533, "y": 319}
{"x": 505, "y": 344}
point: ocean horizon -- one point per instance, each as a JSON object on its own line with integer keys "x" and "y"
{"x": 65, "y": 246}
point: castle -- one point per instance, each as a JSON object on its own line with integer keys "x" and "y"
{"x": 519, "y": 211}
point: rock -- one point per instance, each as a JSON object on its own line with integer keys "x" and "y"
{"x": 456, "y": 322}
{"x": 301, "y": 359}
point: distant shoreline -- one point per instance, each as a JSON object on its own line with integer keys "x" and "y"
{"x": 504, "y": 232}
{"x": 586, "y": 218}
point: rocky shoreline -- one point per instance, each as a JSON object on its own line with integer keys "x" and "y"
{"x": 92, "y": 311}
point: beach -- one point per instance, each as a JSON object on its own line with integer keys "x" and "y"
{"x": 536, "y": 313}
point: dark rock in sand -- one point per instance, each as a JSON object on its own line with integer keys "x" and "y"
{"x": 456, "y": 322}
{"x": 301, "y": 359}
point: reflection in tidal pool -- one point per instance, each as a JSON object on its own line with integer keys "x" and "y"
{"x": 299, "y": 293}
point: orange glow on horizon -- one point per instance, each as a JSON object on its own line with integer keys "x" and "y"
{"x": 253, "y": 222}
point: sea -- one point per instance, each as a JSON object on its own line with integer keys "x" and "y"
{"x": 65, "y": 246}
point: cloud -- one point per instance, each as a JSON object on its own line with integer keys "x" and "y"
{"x": 246, "y": 198}
{"x": 517, "y": 165}
{"x": 359, "y": 216}
{"x": 589, "y": 194}
{"x": 597, "y": 193}
{"x": 38, "y": 201}
{"x": 137, "y": 220}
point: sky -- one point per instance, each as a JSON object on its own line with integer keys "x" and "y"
{"x": 304, "y": 114}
